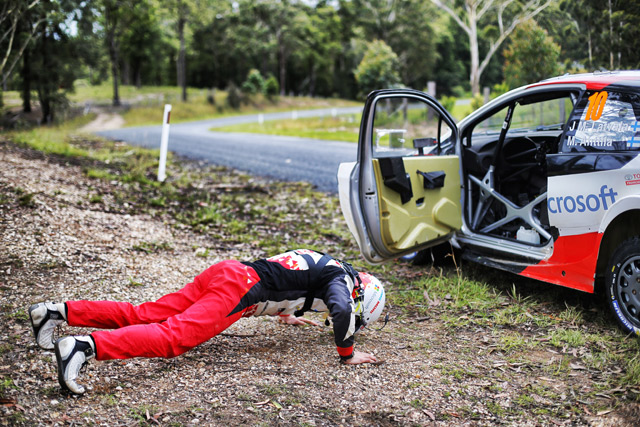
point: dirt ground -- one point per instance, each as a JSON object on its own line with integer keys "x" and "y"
{"x": 103, "y": 121}
{"x": 58, "y": 246}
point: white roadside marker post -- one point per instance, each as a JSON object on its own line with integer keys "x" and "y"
{"x": 164, "y": 142}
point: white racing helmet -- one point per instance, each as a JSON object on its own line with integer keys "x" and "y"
{"x": 372, "y": 302}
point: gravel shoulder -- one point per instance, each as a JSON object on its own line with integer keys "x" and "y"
{"x": 57, "y": 245}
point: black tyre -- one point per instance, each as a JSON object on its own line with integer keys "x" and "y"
{"x": 623, "y": 285}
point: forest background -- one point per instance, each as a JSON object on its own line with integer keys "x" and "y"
{"x": 332, "y": 49}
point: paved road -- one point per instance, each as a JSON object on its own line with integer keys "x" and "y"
{"x": 280, "y": 157}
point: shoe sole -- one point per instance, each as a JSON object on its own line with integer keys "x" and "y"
{"x": 36, "y": 329}
{"x": 60, "y": 369}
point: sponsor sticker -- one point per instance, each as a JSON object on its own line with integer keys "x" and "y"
{"x": 632, "y": 179}
{"x": 583, "y": 202}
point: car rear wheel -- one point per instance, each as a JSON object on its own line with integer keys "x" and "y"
{"x": 623, "y": 285}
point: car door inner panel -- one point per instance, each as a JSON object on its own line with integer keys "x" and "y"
{"x": 432, "y": 212}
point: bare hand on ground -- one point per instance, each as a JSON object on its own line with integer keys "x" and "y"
{"x": 360, "y": 357}
{"x": 293, "y": 320}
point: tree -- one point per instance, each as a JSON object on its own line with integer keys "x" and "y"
{"x": 530, "y": 56}
{"x": 19, "y": 25}
{"x": 406, "y": 26}
{"x": 51, "y": 62}
{"x": 452, "y": 64}
{"x": 114, "y": 20}
{"x": 143, "y": 46}
{"x": 286, "y": 22}
{"x": 473, "y": 17}
{"x": 14, "y": 19}
{"x": 378, "y": 69}
{"x": 183, "y": 10}
{"x": 186, "y": 14}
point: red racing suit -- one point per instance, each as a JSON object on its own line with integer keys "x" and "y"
{"x": 217, "y": 298}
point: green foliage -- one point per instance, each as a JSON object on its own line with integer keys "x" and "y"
{"x": 254, "y": 84}
{"x": 51, "y": 62}
{"x": 567, "y": 337}
{"x": 499, "y": 89}
{"x": 150, "y": 247}
{"x": 477, "y": 102}
{"x": 632, "y": 372}
{"x": 143, "y": 44}
{"x": 378, "y": 68}
{"x": 6, "y": 383}
{"x": 95, "y": 198}
{"x": 448, "y": 102}
{"x": 26, "y": 200}
{"x": 271, "y": 87}
{"x": 298, "y": 47}
{"x": 234, "y": 97}
{"x": 531, "y": 55}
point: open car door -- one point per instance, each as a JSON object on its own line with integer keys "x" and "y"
{"x": 403, "y": 192}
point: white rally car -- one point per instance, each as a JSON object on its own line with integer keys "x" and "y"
{"x": 543, "y": 181}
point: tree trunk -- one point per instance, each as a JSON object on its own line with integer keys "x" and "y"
{"x": 610, "y": 39}
{"x": 138, "y": 74}
{"x": 126, "y": 73}
{"x": 182, "y": 63}
{"x": 26, "y": 82}
{"x": 590, "y": 51}
{"x": 282, "y": 64}
{"x": 111, "y": 24}
{"x": 44, "y": 91}
{"x": 113, "y": 55}
{"x": 474, "y": 75}
{"x": 312, "y": 81}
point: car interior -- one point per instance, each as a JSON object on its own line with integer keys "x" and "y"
{"x": 504, "y": 157}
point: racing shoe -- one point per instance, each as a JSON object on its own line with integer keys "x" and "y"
{"x": 72, "y": 353}
{"x": 45, "y": 317}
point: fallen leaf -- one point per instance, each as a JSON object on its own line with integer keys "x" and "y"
{"x": 429, "y": 414}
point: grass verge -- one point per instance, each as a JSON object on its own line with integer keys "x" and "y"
{"x": 341, "y": 128}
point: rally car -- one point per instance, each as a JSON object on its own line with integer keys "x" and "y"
{"x": 543, "y": 181}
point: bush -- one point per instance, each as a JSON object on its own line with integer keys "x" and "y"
{"x": 254, "y": 84}
{"x": 378, "y": 68}
{"x": 477, "y": 102}
{"x": 234, "y": 96}
{"x": 271, "y": 87}
{"x": 499, "y": 89}
{"x": 448, "y": 102}
{"x": 211, "y": 97}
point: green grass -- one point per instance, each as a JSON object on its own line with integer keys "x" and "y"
{"x": 149, "y": 101}
{"x": 340, "y": 128}
{"x": 197, "y": 108}
{"x": 54, "y": 139}
{"x": 151, "y": 247}
{"x": 459, "y": 112}
{"x": 145, "y": 105}
{"x": 103, "y": 93}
